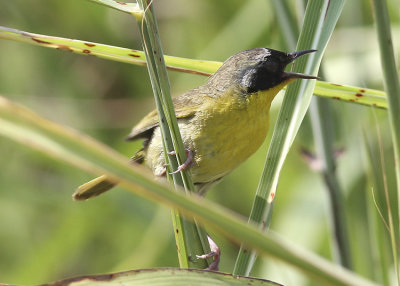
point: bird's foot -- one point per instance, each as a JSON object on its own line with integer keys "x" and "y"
{"x": 186, "y": 164}
{"x": 215, "y": 253}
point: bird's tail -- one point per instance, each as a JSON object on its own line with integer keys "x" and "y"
{"x": 102, "y": 184}
{"x": 93, "y": 188}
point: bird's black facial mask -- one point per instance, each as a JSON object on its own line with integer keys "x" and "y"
{"x": 269, "y": 71}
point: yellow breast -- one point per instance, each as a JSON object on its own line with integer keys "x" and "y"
{"x": 227, "y": 131}
{"x": 223, "y": 133}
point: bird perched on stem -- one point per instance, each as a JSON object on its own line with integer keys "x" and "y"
{"x": 222, "y": 122}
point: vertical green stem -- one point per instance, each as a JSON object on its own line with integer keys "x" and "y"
{"x": 322, "y": 128}
{"x": 377, "y": 228}
{"x": 319, "y": 21}
{"x": 321, "y": 120}
{"x": 392, "y": 87}
{"x": 191, "y": 239}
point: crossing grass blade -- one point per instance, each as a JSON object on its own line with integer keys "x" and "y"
{"x": 350, "y": 94}
{"x": 191, "y": 239}
{"x": 322, "y": 125}
{"x": 130, "y": 8}
{"x": 108, "y": 52}
{"x": 319, "y": 22}
{"x": 26, "y": 127}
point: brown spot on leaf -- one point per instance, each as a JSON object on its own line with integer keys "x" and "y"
{"x": 65, "y": 48}
{"x": 359, "y": 95}
{"x": 336, "y": 97}
{"x": 362, "y": 90}
{"x": 134, "y": 55}
{"x": 122, "y": 3}
{"x": 264, "y": 224}
{"x": 90, "y": 45}
{"x": 40, "y": 41}
{"x": 336, "y": 84}
{"x": 85, "y": 51}
{"x": 272, "y": 196}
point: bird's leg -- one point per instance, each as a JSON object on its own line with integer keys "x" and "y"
{"x": 215, "y": 253}
{"x": 186, "y": 164}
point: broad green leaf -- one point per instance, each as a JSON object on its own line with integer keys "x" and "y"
{"x": 163, "y": 277}
{"x": 349, "y": 94}
{"x": 28, "y": 128}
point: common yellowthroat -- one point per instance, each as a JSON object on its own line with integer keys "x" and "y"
{"x": 222, "y": 122}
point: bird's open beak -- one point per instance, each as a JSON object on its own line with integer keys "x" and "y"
{"x": 291, "y": 57}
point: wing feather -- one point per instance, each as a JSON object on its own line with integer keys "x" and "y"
{"x": 185, "y": 106}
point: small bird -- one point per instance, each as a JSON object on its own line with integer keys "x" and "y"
{"x": 222, "y": 122}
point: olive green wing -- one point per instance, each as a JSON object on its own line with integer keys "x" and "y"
{"x": 185, "y": 106}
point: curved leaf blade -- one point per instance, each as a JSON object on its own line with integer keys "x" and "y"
{"x": 319, "y": 21}
{"x": 26, "y": 127}
{"x": 108, "y": 52}
{"x": 165, "y": 277}
{"x": 349, "y": 94}
{"x": 131, "y": 8}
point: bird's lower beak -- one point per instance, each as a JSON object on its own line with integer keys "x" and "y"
{"x": 291, "y": 57}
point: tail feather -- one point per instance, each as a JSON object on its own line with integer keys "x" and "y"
{"x": 93, "y": 188}
{"x": 102, "y": 184}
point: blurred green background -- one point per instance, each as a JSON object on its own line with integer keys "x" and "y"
{"x": 45, "y": 236}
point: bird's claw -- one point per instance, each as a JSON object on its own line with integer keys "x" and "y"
{"x": 215, "y": 253}
{"x": 186, "y": 164}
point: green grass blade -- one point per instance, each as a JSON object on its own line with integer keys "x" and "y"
{"x": 27, "y": 128}
{"x": 349, "y": 94}
{"x": 322, "y": 128}
{"x": 164, "y": 277}
{"x": 190, "y": 238}
{"x": 131, "y": 8}
{"x": 287, "y": 23}
{"x": 319, "y": 22}
{"x": 322, "y": 121}
{"x": 108, "y": 52}
{"x": 379, "y": 226}
{"x": 392, "y": 86}
{"x": 364, "y": 96}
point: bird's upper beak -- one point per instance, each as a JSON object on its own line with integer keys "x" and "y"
{"x": 291, "y": 57}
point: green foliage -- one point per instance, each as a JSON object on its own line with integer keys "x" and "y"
{"x": 43, "y": 229}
